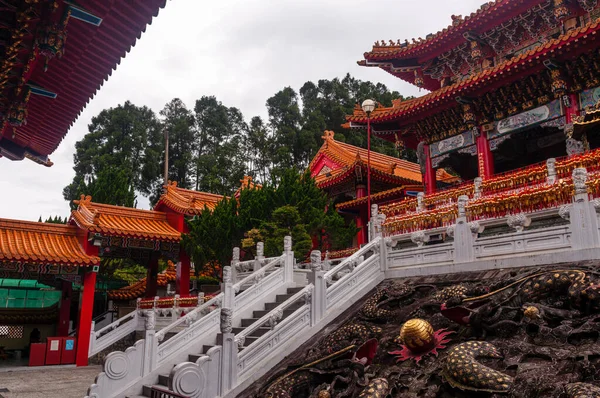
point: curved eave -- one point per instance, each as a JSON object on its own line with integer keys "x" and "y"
{"x": 524, "y": 64}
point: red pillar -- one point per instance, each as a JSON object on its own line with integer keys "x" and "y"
{"x": 360, "y": 219}
{"x": 152, "y": 276}
{"x": 485, "y": 158}
{"x": 573, "y": 108}
{"x": 182, "y": 286}
{"x": 429, "y": 177}
{"x": 62, "y": 329}
{"x": 85, "y": 318}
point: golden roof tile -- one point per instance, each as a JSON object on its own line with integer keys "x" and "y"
{"x": 123, "y": 221}
{"x": 188, "y": 202}
{"x": 37, "y": 242}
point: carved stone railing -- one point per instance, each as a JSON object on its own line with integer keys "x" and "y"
{"x": 280, "y": 330}
{"x": 112, "y": 333}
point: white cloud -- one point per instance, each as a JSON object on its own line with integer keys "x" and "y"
{"x": 241, "y": 51}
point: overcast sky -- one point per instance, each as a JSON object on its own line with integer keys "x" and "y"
{"x": 241, "y": 51}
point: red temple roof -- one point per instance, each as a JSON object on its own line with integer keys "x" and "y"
{"x": 485, "y": 80}
{"x": 123, "y": 221}
{"x": 345, "y": 158}
{"x": 186, "y": 201}
{"x": 91, "y": 54}
{"x": 487, "y": 16}
{"x": 42, "y": 243}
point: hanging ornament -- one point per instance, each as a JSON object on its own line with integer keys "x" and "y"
{"x": 559, "y": 85}
{"x": 469, "y": 116}
{"x": 561, "y": 12}
{"x": 419, "y": 81}
{"x": 52, "y": 38}
{"x": 17, "y": 113}
{"x": 476, "y": 52}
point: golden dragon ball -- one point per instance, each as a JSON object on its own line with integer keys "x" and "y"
{"x": 417, "y": 335}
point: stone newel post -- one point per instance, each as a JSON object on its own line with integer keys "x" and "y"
{"x": 260, "y": 255}
{"x": 230, "y": 348}
{"x": 288, "y": 262}
{"x": 317, "y": 278}
{"x": 150, "y": 341}
{"x": 581, "y": 214}
{"x": 464, "y": 233}
{"x": 550, "y": 166}
{"x": 235, "y": 260}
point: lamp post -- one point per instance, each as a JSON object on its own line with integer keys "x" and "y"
{"x": 368, "y": 106}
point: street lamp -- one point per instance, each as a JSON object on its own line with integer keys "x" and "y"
{"x": 368, "y": 106}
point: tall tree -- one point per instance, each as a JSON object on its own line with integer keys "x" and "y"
{"x": 123, "y": 138}
{"x": 220, "y": 161}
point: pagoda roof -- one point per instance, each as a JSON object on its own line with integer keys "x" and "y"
{"x": 246, "y": 183}
{"x": 486, "y": 80}
{"x": 122, "y": 221}
{"x": 490, "y": 14}
{"x": 186, "y": 201}
{"x": 42, "y": 243}
{"x": 91, "y": 54}
{"x": 347, "y": 157}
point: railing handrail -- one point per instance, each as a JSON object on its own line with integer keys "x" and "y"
{"x": 116, "y": 324}
{"x": 270, "y": 265}
{"x": 280, "y": 308}
{"x": 354, "y": 256}
{"x": 192, "y": 315}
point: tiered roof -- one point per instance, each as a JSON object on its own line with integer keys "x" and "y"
{"x": 401, "y": 58}
{"x": 122, "y": 221}
{"x": 188, "y": 202}
{"x": 91, "y": 54}
{"x": 531, "y": 61}
{"x": 41, "y": 243}
{"x": 347, "y": 157}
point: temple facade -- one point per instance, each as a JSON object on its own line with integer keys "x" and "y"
{"x": 507, "y": 85}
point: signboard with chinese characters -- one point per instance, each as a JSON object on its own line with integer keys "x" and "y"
{"x": 452, "y": 144}
{"x": 526, "y": 119}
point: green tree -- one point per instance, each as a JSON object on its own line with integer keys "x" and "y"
{"x": 126, "y": 138}
{"x": 220, "y": 161}
{"x": 286, "y": 221}
{"x": 112, "y": 185}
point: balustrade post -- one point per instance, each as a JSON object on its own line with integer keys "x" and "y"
{"x": 376, "y": 223}
{"x": 477, "y": 183}
{"x": 235, "y": 260}
{"x": 150, "y": 342}
{"x": 464, "y": 233}
{"x": 288, "y": 260}
{"x": 317, "y": 278}
{"x": 551, "y": 168}
{"x": 581, "y": 214}
{"x": 383, "y": 254}
{"x": 260, "y": 255}
{"x": 92, "y": 338}
{"x": 420, "y": 199}
{"x": 229, "y": 352}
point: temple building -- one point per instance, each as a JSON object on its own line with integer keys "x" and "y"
{"x": 54, "y": 56}
{"x": 506, "y": 83}
{"x": 340, "y": 170}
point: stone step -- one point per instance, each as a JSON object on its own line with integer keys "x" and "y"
{"x": 295, "y": 306}
{"x": 294, "y": 290}
{"x": 205, "y": 348}
{"x": 168, "y": 336}
{"x": 163, "y": 380}
{"x": 194, "y": 357}
{"x": 249, "y": 321}
{"x": 280, "y": 298}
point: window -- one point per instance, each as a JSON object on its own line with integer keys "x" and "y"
{"x": 11, "y": 332}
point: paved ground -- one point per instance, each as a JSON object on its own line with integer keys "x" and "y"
{"x": 47, "y": 382}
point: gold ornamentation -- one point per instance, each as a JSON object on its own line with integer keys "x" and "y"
{"x": 417, "y": 335}
{"x": 531, "y": 313}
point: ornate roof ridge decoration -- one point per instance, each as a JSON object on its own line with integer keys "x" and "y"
{"x": 42, "y": 243}
{"x": 437, "y": 43}
{"x": 187, "y": 201}
{"x": 246, "y": 183}
{"x": 587, "y": 121}
{"x": 122, "y": 221}
{"x": 433, "y": 99}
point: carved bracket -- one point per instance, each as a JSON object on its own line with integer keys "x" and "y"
{"x": 518, "y": 221}
{"x": 419, "y": 238}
